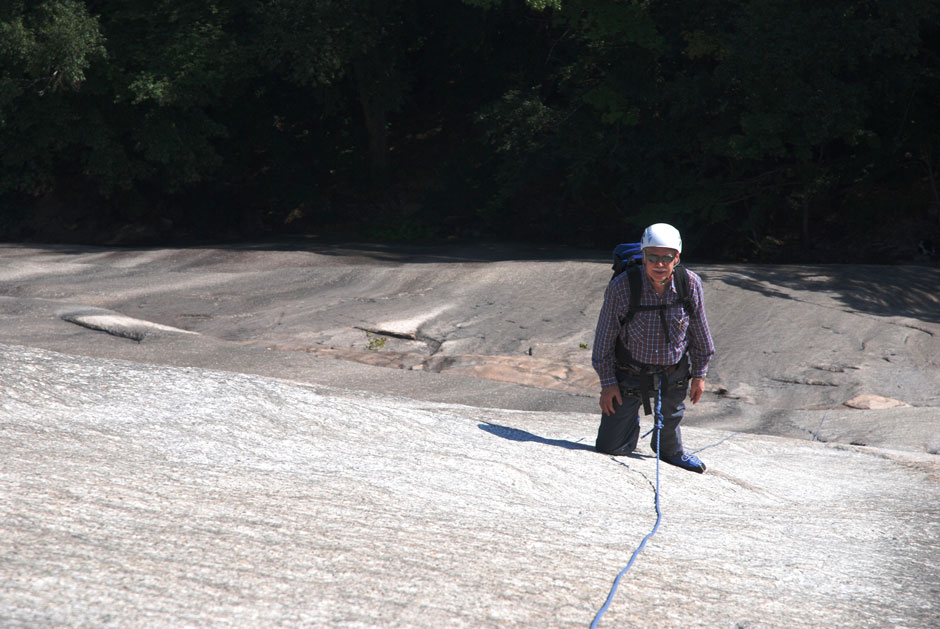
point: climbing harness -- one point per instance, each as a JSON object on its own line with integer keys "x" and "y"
{"x": 659, "y": 514}
{"x": 646, "y": 375}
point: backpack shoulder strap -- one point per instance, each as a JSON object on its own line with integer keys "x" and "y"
{"x": 683, "y": 288}
{"x": 621, "y": 352}
{"x": 636, "y": 291}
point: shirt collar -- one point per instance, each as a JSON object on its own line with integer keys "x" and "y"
{"x": 670, "y": 287}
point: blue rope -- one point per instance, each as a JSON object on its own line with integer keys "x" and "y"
{"x": 659, "y": 513}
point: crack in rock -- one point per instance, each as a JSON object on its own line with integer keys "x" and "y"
{"x": 806, "y": 381}
{"x": 433, "y": 344}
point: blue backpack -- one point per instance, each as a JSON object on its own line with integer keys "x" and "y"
{"x": 626, "y": 256}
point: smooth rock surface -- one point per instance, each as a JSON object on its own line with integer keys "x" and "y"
{"x": 237, "y": 449}
{"x": 500, "y": 325}
{"x": 151, "y": 496}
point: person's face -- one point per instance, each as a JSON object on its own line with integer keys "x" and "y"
{"x": 657, "y": 268}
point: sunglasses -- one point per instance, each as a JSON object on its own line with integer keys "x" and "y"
{"x": 655, "y": 259}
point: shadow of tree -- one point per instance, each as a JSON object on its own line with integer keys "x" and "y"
{"x": 882, "y": 290}
{"x": 364, "y": 252}
{"x": 888, "y": 291}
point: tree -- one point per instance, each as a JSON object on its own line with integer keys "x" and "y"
{"x": 323, "y": 45}
{"x": 46, "y": 48}
{"x": 735, "y": 117}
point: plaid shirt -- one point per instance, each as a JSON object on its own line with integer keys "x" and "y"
{"x": 645, "y": 339}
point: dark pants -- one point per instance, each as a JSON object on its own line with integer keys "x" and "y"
{"x": 618, "y": 433}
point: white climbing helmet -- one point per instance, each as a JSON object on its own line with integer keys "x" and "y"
{"x": 661, "y": 235}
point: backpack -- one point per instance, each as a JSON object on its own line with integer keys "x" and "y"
{"x": 628, "y": 258}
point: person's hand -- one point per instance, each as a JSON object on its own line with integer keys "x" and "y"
{"x": 608, "y": 395}
{"x": 697, "y": 389}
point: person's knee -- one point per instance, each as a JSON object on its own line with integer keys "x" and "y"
{"x": 604, "y": 446}
{"x": 616, "y": 444}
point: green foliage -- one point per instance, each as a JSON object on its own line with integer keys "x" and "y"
{"x": 754, "y": 125}
{"x": 45, "y": 51}
{"x": 746, "y": 117}
{"x": 46, "y": 47}
{"x": 538, "y": 5}
{"x": 376, "y": 342}
{"x": 141, "y": 117}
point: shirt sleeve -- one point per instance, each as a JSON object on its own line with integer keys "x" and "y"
{"x": 605, "y": 335}
{"x": 701, "y": 345}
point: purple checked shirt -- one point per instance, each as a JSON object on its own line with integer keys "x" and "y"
{"x": 645, "y": 340}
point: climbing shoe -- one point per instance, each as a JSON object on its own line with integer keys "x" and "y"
{"x": 687, "y": 462}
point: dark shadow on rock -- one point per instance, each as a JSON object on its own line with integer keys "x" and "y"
{"x": 515, "y": 434}
{"x": 887, "y": 291}
{"x": 631, "y": 455}
{"x": 881, "y": 290}
{"x": 367, "y": 252}
{"x": 456, "y": 253}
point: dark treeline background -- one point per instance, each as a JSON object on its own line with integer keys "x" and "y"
{"x": 776, "y": 130}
